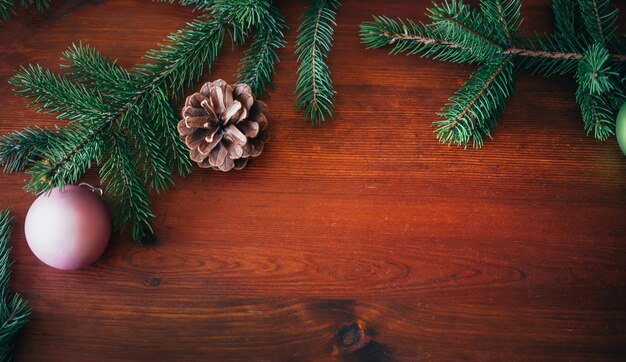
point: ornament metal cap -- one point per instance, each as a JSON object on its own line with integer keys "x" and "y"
{"x": 96, "y": 189}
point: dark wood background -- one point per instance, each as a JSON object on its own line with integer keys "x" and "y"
{"x": 365, "y": 225}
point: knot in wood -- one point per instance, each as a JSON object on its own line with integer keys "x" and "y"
{"x": 353, "y": 337}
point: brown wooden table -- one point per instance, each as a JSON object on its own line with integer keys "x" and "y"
{"x": 365, "y": 225}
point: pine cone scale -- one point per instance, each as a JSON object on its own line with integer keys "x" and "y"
{"x": 195, "y": 139}
{"x": 206, "y": 105}
{"x": 233, "y": 110}
{"x": 223, "y": 126}
{"x": 246, "y": 99}
{"x": 234, "y": 135}
{"x": 248, "y": 128}
{"x": 196, "y": 156}
{"x": 183, "y": 130}
{"x": 210, "y": 142}
{"x": 218, "y": 155}
{"x": 217, "y": 97}
{"x": 260, "y": 119}
{"x": 198, "y": 122}
{"x": 234, "y": 150}
{"x": 194, "y": 112}
{"x": 206, "y": 146}
{"x": 195, "y": 100}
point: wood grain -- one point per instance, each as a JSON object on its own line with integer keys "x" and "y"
{"x": 364, "y": 239}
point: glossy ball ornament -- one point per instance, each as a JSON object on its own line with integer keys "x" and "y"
{"x": 69, "y": 229}
{"x": 620, "y": 128}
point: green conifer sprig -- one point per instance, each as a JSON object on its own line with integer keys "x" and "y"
{"x": 7, "y": 7}
{"x": 14, "y": 310}
{"x": 315, "y": 93}
{"x": 20, "y": 149}
{"x": 199, "y": 5}
{"x": 258, "y": 66}
{"x": 599, "y": 19}
{"x": 123, "y": 119}
{"x": 584, "y": 44}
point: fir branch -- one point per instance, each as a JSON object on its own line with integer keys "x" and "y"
{"x": 568, "y": 23}
{"x": 147, "y": 146}
{"x": 58, "y": 94}
{"x": 548, "y": 56}
{"x": 68, "y": 154}
{"x": 315, "y": 93}
{"x": 21, "y": 148}
{"x": 257, "y": 67}
{"x": 88, "y": 66}
{"x": 600, "y": 21}
{"x": 473, "y": 111}
{"x": 14, "y": 310}
{"x": 199, "y": 5}
{"x": 409, "y": 37}
{"x": 242, "y": 15}
{"x": 41, "y": 5}
{"x": 177, "y": 61}
{"x": 160, "y": 111}
{"x": 502, "y": 19}
{"x": 597, "y": 86}
{"x": 594, "y": 71}
{"x": 7, "y": 7}
{"x": 147, "y": 129}
{"x": 455, "y": 22}
{"x": 597, "y": 116}
{"x": 458, "y": 33}
{"x": 5, "y": 250}
{"x": 181, "y": 61}
{"x": 126, "y": 189}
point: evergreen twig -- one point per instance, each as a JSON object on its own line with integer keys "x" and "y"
{"x": 7, "y": 7}
{"x": 490, "y": 36}
{"x": 199, "y": 5}
{"x": 315, "y": 93}
{"x": 14, "y": 310}
{"x": 258, "y": 65}
{"x": 21, "y": 148}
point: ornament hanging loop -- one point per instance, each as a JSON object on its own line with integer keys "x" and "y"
{"x": 97, "y": 189}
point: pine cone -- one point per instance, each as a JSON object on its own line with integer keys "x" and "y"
{"x": 224, "y": 126}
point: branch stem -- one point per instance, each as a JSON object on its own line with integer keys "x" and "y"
{"x": 522, "y": 52}
{"x": 313, "y": 56}
{"x": 598, "y": 21}
{"x": 421, "y": 39}
{"x": 472, "y": 31}
{"x": 533, "y": 53}
{"x": 503, "y": 21}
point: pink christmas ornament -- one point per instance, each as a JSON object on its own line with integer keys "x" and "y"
{"x": 70, "y": 229}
